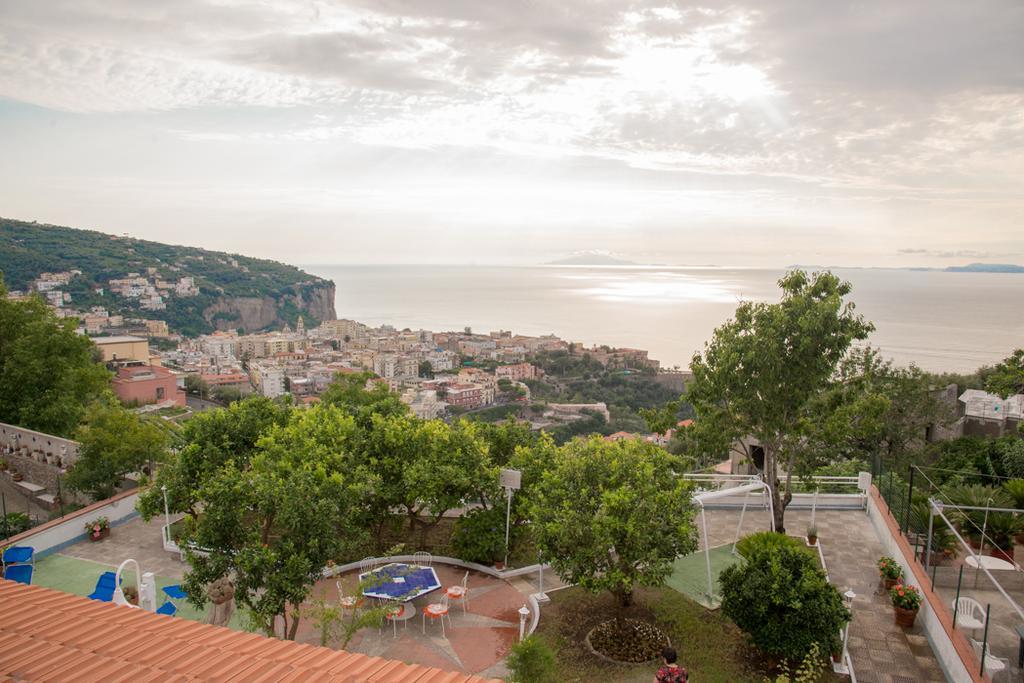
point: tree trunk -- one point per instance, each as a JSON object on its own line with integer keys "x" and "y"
{"x": 294, "y": 625}
{"x": 624, "y": 597}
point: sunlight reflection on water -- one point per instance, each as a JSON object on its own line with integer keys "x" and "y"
{"x": 653, "y": 288}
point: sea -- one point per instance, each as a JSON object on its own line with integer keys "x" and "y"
{"x": 940, "y": 321}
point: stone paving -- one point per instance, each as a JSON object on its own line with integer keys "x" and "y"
{"x": 881, "y": 651}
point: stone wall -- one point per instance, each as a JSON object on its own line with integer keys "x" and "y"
{"x": 28, "y": 441}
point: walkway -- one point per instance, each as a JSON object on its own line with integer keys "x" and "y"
{"x": 881, "y": 651}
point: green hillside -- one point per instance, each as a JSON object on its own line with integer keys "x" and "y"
{"x": 28, "y": 249}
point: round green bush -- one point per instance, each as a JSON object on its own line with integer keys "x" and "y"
{"x": 763, "y": 541}
{"x": 479, "y": 536}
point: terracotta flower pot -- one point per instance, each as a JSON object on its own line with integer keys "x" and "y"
{"x": 905, "y": 617}
{"x": 889, "y": 583}
{"x": 1003, "y": 554}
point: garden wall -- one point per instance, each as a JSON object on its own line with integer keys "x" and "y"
{"x": 951, "y": 648}
{"x": 62, "y": 533}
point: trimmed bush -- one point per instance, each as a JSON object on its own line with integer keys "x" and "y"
{"x": 531, "y": 661}
{"x": 783, "y": 601}
{"x": 479, "y": 535}
{"x": 766, "y": 541}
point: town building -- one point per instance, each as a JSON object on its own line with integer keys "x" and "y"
{"x": 518, "y": 372}
{"x": 268, "y": 379}
{"x": 125, "y": 349}
{"x": 145, "y": 384}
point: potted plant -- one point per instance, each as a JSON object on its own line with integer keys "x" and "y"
{"x": 1001, "y": 530}
{"x": 131, "y": 594}
{"x": 98, "y": 528}
{"x": 906, "y": 601}
{"x": 812, "y": 535}
{"x": 890, "y": 571}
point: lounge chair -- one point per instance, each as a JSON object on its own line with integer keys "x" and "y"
{"x": 21, "y": 573}
{"x": 168, "y": 608}
{"x": 104, "y": 587}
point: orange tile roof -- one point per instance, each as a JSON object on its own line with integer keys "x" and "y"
{"x": 53, "y": 636}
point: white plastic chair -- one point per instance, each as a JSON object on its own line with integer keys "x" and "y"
{"x": 353, "y": 602}
{"x": 970, "y": 614}
{"x": 993, "y": 664}
{"x": 459, "y": 592}
{"x": 437, "y": 611}
{"x": 422, "y": 558}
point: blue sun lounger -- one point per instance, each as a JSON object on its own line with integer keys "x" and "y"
{"x": 22, "y": 573}
{"x": 104, "y": 587}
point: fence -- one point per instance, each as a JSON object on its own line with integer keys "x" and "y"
{"x": 953, "y": 546}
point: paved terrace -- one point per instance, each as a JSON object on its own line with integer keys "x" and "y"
{"x": 881, "y": 651}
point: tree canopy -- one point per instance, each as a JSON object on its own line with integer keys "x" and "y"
{"x": 612, "y": 515}
{"x": 1007, "y": 378}
{"x": 755, "y": 379}
{"x": 114, "y": 442}
{"x": 49, "y": 373}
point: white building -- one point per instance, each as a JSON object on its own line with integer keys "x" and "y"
{"x": 268, "y": 379}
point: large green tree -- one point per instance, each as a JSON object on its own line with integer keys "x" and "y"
{"x": 114, "y": 442}
{"x": 1007, "y": 377}
{"x": 613, "y": 515}
{"x": 210, "y": 440}
{"x": 350, "y": 393}
{"x": 754, "y": 381}
{"x": 273, "y": 526}
{"x": 49, "y": 373}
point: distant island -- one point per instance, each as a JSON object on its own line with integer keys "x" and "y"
{"x": 90, "y": 274}
{"x": 986, "y": 268}
{"x": 591, "y": 258}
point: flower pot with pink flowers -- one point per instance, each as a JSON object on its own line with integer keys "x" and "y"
{"x": 98, "y": 528}
{"x": 906, "y": 601}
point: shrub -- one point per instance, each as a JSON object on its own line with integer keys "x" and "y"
{"x": 905, "y": 597}
{"x": 764, "y": 541}
{"x": 531, "y": 661}
{"x": 479, "y": 535}
{"x": 15, "y": 523}
{"x": 888, "y": 568}
{"x": 1015, "y": 488}
{"x": 783, "y": 601}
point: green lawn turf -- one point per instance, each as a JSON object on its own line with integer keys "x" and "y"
{"x": 77, "y": 576}
{"x": 690, "y": 574}
{"x": 709, "y": 645}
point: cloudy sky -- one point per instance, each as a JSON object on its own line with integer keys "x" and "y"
{"x": 384, "y": 131}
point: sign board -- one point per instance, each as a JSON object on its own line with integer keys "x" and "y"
{"x": 511, "y": 479}
{"x": 864, "y": 481}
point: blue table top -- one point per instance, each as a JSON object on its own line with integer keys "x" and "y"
{"x": 415, "y": 581}
{"x": 18, "y": 553}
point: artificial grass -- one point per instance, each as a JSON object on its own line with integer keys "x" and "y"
{"x": 78, "y": 577}
{"x": 709, "y": 645}
{"x": 690, "y": 574}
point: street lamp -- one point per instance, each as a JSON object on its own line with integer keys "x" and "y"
{"x": 524, "y": 612}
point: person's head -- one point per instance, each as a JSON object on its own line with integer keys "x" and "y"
{"x": 669, "y": 655}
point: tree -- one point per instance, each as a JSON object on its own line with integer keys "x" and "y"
{"x": 49, "y": 373}
{"x": 782, "y": 599}
{"x": 349, "y": 392}
{"x": 752, "y": 385}
{"x": 114, "y": 442}
{"x": 426, "y": 369}
{"x": 1007, "y": 377}
{"x": 211, "y": 439}
{"x": 612, "y": 515}
{"x": 274, "y": 526}
{"x": 871, "y": 411}
{"x": 196, "y": 386}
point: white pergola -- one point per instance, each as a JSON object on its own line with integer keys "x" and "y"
{"x": 744, "y": 489}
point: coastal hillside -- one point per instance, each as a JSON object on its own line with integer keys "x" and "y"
{"x": 194, "y": 290}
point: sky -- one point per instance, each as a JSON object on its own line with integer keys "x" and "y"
{"x": 763, "y": 133}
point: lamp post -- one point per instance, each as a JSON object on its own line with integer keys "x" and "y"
{"x": 524, "y": 612}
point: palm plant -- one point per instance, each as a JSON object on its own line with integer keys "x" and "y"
{"x": 976, "y": 496}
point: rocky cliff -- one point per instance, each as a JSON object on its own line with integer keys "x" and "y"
{"x": 315, "y": 303}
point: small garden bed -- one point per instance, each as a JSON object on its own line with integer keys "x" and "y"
{"x": 709, "y": 645}
{"x": 630, "y": 641}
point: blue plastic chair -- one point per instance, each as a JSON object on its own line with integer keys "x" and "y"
{"x": 105, "y": 587}
{"x": 22, "y": 573}
{"x": 174, "y": 592}
{"x": 168, "y": 608}
{"x": 19, "y": 554}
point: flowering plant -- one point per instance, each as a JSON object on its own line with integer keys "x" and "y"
{"x": 905, "y": 597}
{"x": 97, "y": 526}
{"x": 889, "y": 569}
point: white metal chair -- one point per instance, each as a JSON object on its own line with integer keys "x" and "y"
{"x": 394, "y": 612}
{"x": 422, "y": 558}
{"x": 348, "y": 602}
{"x": 367, "y": 564}
{"x": 437, "y": 611}
{"x": 970, "y": 614}
{"x": 459, "y": 592}
{"x": 993, "y": 664}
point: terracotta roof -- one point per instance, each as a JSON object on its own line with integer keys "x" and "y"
{"x": 53, "y": 636}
